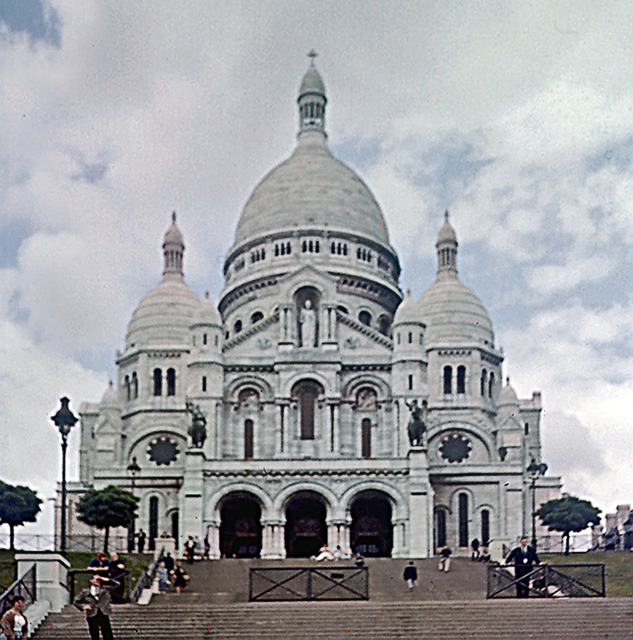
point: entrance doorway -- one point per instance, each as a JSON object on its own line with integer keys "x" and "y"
{"x": 306, "y": 531}
{"x": 371, "y": 532}
{"x": 240, "y": 528}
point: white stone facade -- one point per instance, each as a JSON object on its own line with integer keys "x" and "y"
{"x": 305, "y": 372}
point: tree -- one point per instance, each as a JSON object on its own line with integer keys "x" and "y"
{"x": 568, "y": 514}
{"x": 18, "y": 505}
{"x": 109, "y": 507}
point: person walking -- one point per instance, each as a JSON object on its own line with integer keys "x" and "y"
{"x": 445, "y": 559}
{"x": 190, "y": 549}
{"x": 14, "y": 624}
{"x": 207, "y": 547}
{"x": 523, "y": 558}
{"x": 96, "y": 603}
{"x": 140, "y": 540}
{"x": 474, "y": 549}
{"x": 179, "y": 576}
{"x": 116, "y": 571}
{"x": 410, "y": 575}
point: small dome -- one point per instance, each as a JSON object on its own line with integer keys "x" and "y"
{"x": 407, "y": 311}
{"x": 446, "y": 233}
{"x": 508, "y": 396}
{"x": 173, "y": 234}
{"x": 453, "y": 314}
{"x": 312, "y": 82}
{"x": 109, "y": 399}
{"x": 164, "y": 315}
{"x": 207, "y": 313}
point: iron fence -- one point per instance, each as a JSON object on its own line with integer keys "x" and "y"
{"x": 308, "y": 583}
{"x": 548, "y": 581}
{"x": 74, "y": 542}
{"x": 24, "y": 586}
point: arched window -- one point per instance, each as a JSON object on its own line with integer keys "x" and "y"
{"x": 383, "y": 325}
{"x": 342, "y": 309}
{"x": 306, "y": 392}
{"x": 448, "y": 380}
{"x": 333, "y": 248}
{"x": 128, "y": 389}
{"x": 256, "y": 317}
{"x": 204, "y": 338}
{"x": 248, "y": 439}
{"x": 491, "y": 384}
{"x": 410, "y": 382}
{"x": 171, "y": 382}
{"x": 483, "y": 383}
{"x": 153, "y": 522}
{"x": 440, "y": 519}
{"x": 527, "y": 429}
{"x": 461, "y": 379}
{"x": 204, "y": 383}
{"x": 366, "y": 438}
{"x": 174, "y": 525}
{"x": 134, "y": 385}
{"x": 158, "y": 382}
{"x": 364, "y": 317}
{"x": 410, "y": 337}
{"x": 462, "y": 509}
{"x": 485, "y": 527}
{"x": 237, "y": 327}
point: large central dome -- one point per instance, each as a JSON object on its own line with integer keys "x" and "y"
{"x": 312, "y": 189}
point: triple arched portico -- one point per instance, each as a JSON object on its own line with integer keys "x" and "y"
{"x": 248, "y": 522}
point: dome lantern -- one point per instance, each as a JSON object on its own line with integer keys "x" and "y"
{"x": 312, "y": 100}
{"x": 446, "y": 246}
{"x": 173, "y": 250}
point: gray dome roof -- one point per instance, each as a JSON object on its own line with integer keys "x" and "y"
{"x": 446, "y": 233}
{"x": 312, "y": 82}
{"x": 207, "y": 313}
{"x": 508, "y": 396}
{"x": 110, "y": 399}
{"x": 453, "y": 314}
{"x": 312, "y": 189}
{"x": 407, "y": 311}
{"x": 164, "y": 315}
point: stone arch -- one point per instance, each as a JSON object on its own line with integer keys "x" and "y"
{"x": 240, "y": 525}
{"x": 281, "y": 499}
{"x": 215, "y": 500}
{"x": 149, "y": 431}
{"x": 397, "y": 501}
{"x": 369, "y": 380}
{"x": 260, "y": 384}
{"x": 306, "y": 530}
{"x": 463, "y": 519}
{"x": 473, "y": 430}
{"x": 311, "y": 375}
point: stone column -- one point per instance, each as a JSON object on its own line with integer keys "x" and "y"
{"x": 328, "y": 322}
{"x": 286, "y": 330}
{"x": 278, "y": 535}
{"x": 214, "y": 540}
{"x": 344, "y": 536}
{"x": 191, "y": 497}
{"x": 420, "y": 505}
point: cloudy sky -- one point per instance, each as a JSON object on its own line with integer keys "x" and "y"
{"x": 518, "y": 117}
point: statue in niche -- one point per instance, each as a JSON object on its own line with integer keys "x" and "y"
{"x": 198, "y": 427}
{"x": 307, "y": 324}
{"x": 416, "y": 426}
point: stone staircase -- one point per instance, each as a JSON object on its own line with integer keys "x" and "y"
{"x": 442, "y": 606}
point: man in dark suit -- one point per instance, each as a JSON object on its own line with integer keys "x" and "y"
{"x": 96, "y": 604}
{"x": 523, "y": 558}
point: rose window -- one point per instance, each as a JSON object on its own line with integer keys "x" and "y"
{"x": 455, "y": 448}
{"x": 163, "y": 451}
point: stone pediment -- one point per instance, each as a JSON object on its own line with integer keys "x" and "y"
{"x": 258, "y": 338}
{"x": 356, "y": 338}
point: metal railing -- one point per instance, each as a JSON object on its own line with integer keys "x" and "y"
{"x": 548, "y": 581}
{"x": 24, "y": 586}
{"x": 146, "y": 579}
{"x": 308, "y": 583}
{"x": 79, "y": 579}
{"x": 74, "y": 542}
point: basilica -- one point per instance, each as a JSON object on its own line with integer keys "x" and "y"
{"x": 314, "y": 403}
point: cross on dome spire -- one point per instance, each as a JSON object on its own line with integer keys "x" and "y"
{"x": 446, "y": 246}
{"x": 312, "y": 99}
{"x": 173, "y": 250}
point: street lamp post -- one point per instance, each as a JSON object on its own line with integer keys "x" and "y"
{"x": 134, "y": 470}
{"x": 64, "y": 420}
{"x": 535, "y": 471}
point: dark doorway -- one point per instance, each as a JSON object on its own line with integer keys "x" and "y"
{"x": 240, "y": 528}
{"x": 371, "y": 532}
{"x": 463, "y": 519}
{"x": 248, "y": 439}
{"x": 306, "y": 531}
{"x": 485, "y": 527}
{"x": 307, "y": 393}
{"x": 366, "y": 437}
{"x": 174, "y": 526}
{"x": 440, "y": 528}
{"x": 153, "y": 522}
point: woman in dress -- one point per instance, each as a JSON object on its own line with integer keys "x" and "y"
{"x": 180, "y": 577}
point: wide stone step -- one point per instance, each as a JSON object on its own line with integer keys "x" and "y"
{"x": 166, "y": 618}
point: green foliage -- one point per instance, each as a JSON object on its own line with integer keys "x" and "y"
{"x": 109, "y": 507}
{"x": 18, "y": 505}
{"x": 568, "y": 514}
